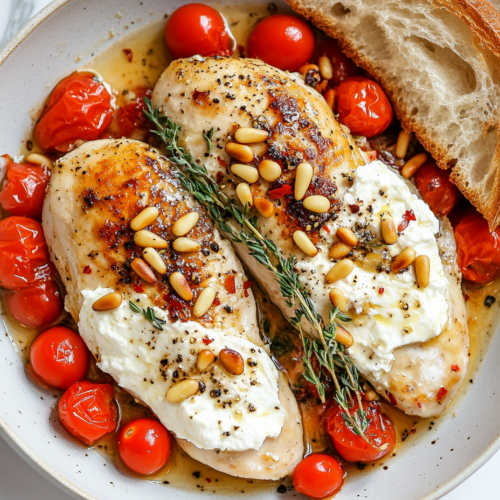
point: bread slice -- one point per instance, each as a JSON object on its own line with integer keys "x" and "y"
{"x": 439, "y": 63}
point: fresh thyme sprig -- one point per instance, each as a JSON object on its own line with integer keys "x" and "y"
{"x": 149, "y": 314}
{"x": 208, "y": 138}
{"x": 330, "y": 354}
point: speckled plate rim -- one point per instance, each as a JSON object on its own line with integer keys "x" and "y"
{"x": 27, "y": 454}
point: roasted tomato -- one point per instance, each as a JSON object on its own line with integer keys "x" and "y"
{"x": 363, "y": 106}
{"x": 478, "y": 250}
{"x": 144, "y": 446}
{"x": 131, "y": 117}
{"x": 79, "y": 108}
{"x": 59, "y": 357}
{"x": 24, "y": 257}
{"x": 38, "y": 305}
{"x": 88, "y": 411}
{"x": 353, "y": 447}
{"x": 318, "y": 476}
{"x": 196, "y": 28}
{"x": 343, "y": 67}
{"x": 436, "y": 188}
{"x": 282, "y": 40}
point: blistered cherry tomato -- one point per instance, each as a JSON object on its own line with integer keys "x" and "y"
{"x": 131, "y": 117}
{"x": 353, "y": 447}
{"x": 343, "y": 67}
{"x": 144, "y": 446}
{"x": 318, "y": 476}
{"x": 88, "y": 411}
{"x": 24, "y": 257}
{"x": 196, "y": 28}
{"x": 59, "y": 357}
{"x": 283, "y": 41}
{"x": 79, "y": 108}
{"x": 38, "y": 305}
{"x": 436, "y": 188}
{"x": 363, "y": 106}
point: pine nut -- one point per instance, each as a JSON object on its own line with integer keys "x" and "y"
{"x": 183, "y": 244}
{"x": 344, "y": 337}
{"x": 246, "y": 172}
{"x": 303, "y": 70}
{"x": 412, "y": 165}
{"x": 339, "y": 250}
{"x": 404, "y": 259}
{"x": 183, "y": 390}
{"x": 184, "y": 224}
{"x": 371, "y": 395}
{"x": 325, "y": 67}
{"x": 144, "y": 218}
{"x": 302, "y": 180}
{"x": 330, "y": 98}
{"x": 388, "y": 230}
{"x": 42, "y": 160}
{"x": 204, "y": 301}
{"x": 143, "y": 271}
{"x": 232, "y": 361}
{"x": 244, "y": 194}
{"x": 347, "y": 236}
{"x": 304, "y": 243}
{"x": 153, "y": 258}
{"x": 318, "y": 204}
{"x": 239, "y": 151}
{"x": 404, "y": 138}
{"x": 423, "y": 270}
{"x": 181, "y": 286}
{"x": 338, "y": 300}
{"x": 247, "y": 135}
{"x": 264, "y": 206}
{"x": 205, "y": 359}
{"x": 145, "y": 238}
{"x": 108, "y": 302}
{"x": 269, "y": 170}
{"x": 339, "y": 271}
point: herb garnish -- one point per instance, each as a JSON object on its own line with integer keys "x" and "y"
{"x": 149, "y": 314}
{"x": 208, "y": 138}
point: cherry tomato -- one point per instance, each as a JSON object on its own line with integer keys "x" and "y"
{"x": 353, "y": 447}
{"x": 363, "y": 106}
{"x": 88, "y": 411}
{"x": 343, "y": 67}
{"x": 24, "y": 190}
{"x": 436, "y": 188}
{"x": 283, "y": 41}
{"x": 144, "y": 446}
{"x": 39, "y": 305}
{"x": 196, "y": 28}
{"x": 131, "y": 117}
{"x": 318, "y": 476}
{"x": 80, "y": 108}
{"x": 24, "y": 257}
{"x": 478, "y": 250}
{"x": 59, "y": 357}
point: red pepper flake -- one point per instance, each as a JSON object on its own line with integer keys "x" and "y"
{"x": 413, "y": 430}
{"x": 208, "y": 480}
{"x": 419, "y": 404}
{"x": 229, "y": 284}
{"x": 138, "y": 288}
{"x": 442, "y": 393}
{"x": 216, "y": 301}
{"x": 392, "y": 399}
{"x": 354, "y": 208}
{"x": 284, "y": 190}
{"x": 129, "y": 54}
{"x": 246, "y": 286}
{"x": 455, "y": 368}
{"x": 222, "y": 163}
{"x": 325, "y": 227}
{"x": 407, "y": 217}
{"x": 218, "y": 177}
{"x": 466, "y": 297}
{"x": 206, "y": 340}
{"x": 381, "y": 290}
{"x": 87, "y": 270}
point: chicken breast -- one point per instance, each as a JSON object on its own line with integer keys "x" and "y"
{"x": 94, "y": 193}
{"x": 406, "y": 337}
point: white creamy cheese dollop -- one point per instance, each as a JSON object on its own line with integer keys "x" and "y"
{"x": 234, "y": 413}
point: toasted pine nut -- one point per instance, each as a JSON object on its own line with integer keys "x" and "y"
{"x": 246, "y": 172}
{"x": 347, "y": 236}
{"x": 42, "y": 160}
{"x": 185, "y": 223}
{"x": 144, "y": 218}
{"x": 337, "y": 298}
{"x": 422, "y": 270}
{"x": 302, "y": 180}
{"x": 343, "y": 337}
{"x": 317, "y": 203}
{"x": 182, "y": 390}
{"x": 264, "y": 206}
{"x": 183, "y": 244}
{"x": 153, "y": 258}
{"x": 181, "y": 286}
{"x": 145, "y": 238}
{"x": 247, "y": 135}
{"x": 239, "y": 151}
{"x": 412, "y": 165}
{"x": 402, "y": 144}
{"x": 388, "y": 230}
{"x": 204, "y": 301}
{"x": 205, "y": 359}
{"x": 108, "y": 302}
{"x": 330, "y": 98}
{"x": 232, "y": 361}
{"x": 270, "y": 170}
{"x": 371, "y": 395}
{"x": 244, "y": 194}
{"x": 404, "y": 259}
{"x": 339, "y": 250}
{"x": 339, "y": 271}
{"x": 304, "y": 243}
{"x": 325, "y": 67}
{"x": 143, "y": 271}
{"x": 303, "y": 70}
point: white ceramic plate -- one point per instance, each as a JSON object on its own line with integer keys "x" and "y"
{"x": 55, "y": 42}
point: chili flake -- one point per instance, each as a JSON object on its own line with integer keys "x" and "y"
{"x": 407, "y": 217}
{"x": 284, "y": 190}
{"x": 87, "y": 270}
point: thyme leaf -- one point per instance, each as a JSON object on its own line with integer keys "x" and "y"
{"x": 149, "y": 314}
{"x": 208, "y": 138}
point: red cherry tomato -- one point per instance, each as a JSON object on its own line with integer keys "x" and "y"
{"x": 196, "y": 28}
{"x": 24, "y": 190}
{"x": 59, "y": 357}
{"x": 363, "y": 106}
{"x": 436, "y": 188}
{"x": 131, "y": 117}
{"x": 318, "y": 476}
{"x": 144, "y": 446}
{"x": 88, "y": 411}
{"x": 343, "y": 67}
{"x": 24, "y": 257}
{"x": 39, "y": 305}
{"x": 353, "y": 447}
{"x": 80, "y": 108}
{"x": 283, "y": 41}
